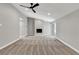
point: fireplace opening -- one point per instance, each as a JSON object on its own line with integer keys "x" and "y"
{"x": 39, "y": 30}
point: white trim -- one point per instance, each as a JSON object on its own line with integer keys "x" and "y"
{"x": 67, "y": 44}
{"x": 48, "y": 36}
{"x": 11, "y": 42}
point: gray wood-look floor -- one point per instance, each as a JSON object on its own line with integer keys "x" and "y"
{"x": 37, "y": 46}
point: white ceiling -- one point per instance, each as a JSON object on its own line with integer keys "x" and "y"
{"x": 57, "y": 10}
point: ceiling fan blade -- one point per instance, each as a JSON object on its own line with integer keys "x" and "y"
{"x": 35, "y": 5}
{"x": 33, "y": 10}
{"x": 23, "y": 6}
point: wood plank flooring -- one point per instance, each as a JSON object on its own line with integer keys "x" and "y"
{"x": 37, "y": 46}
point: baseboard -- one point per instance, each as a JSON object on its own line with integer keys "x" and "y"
{"x": 67, "y": 44}
{"x": 49, "y": 36}
{"x": 52, "y": 37}
{"x": 11, "y": 42}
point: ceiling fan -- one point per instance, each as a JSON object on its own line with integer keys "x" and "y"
{"x": 31, "y": 7}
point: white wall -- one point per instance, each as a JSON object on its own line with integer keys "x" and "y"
{"x": 46, "y": 28}
{"x": 9, "y": 18}
{"x": 68, "y": 29}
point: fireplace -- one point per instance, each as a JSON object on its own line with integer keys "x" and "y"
{"x": 39, "y": 30}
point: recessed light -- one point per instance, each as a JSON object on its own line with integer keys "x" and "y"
{"x": 49, "y": 13}
{"x": 21, "y": 19}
